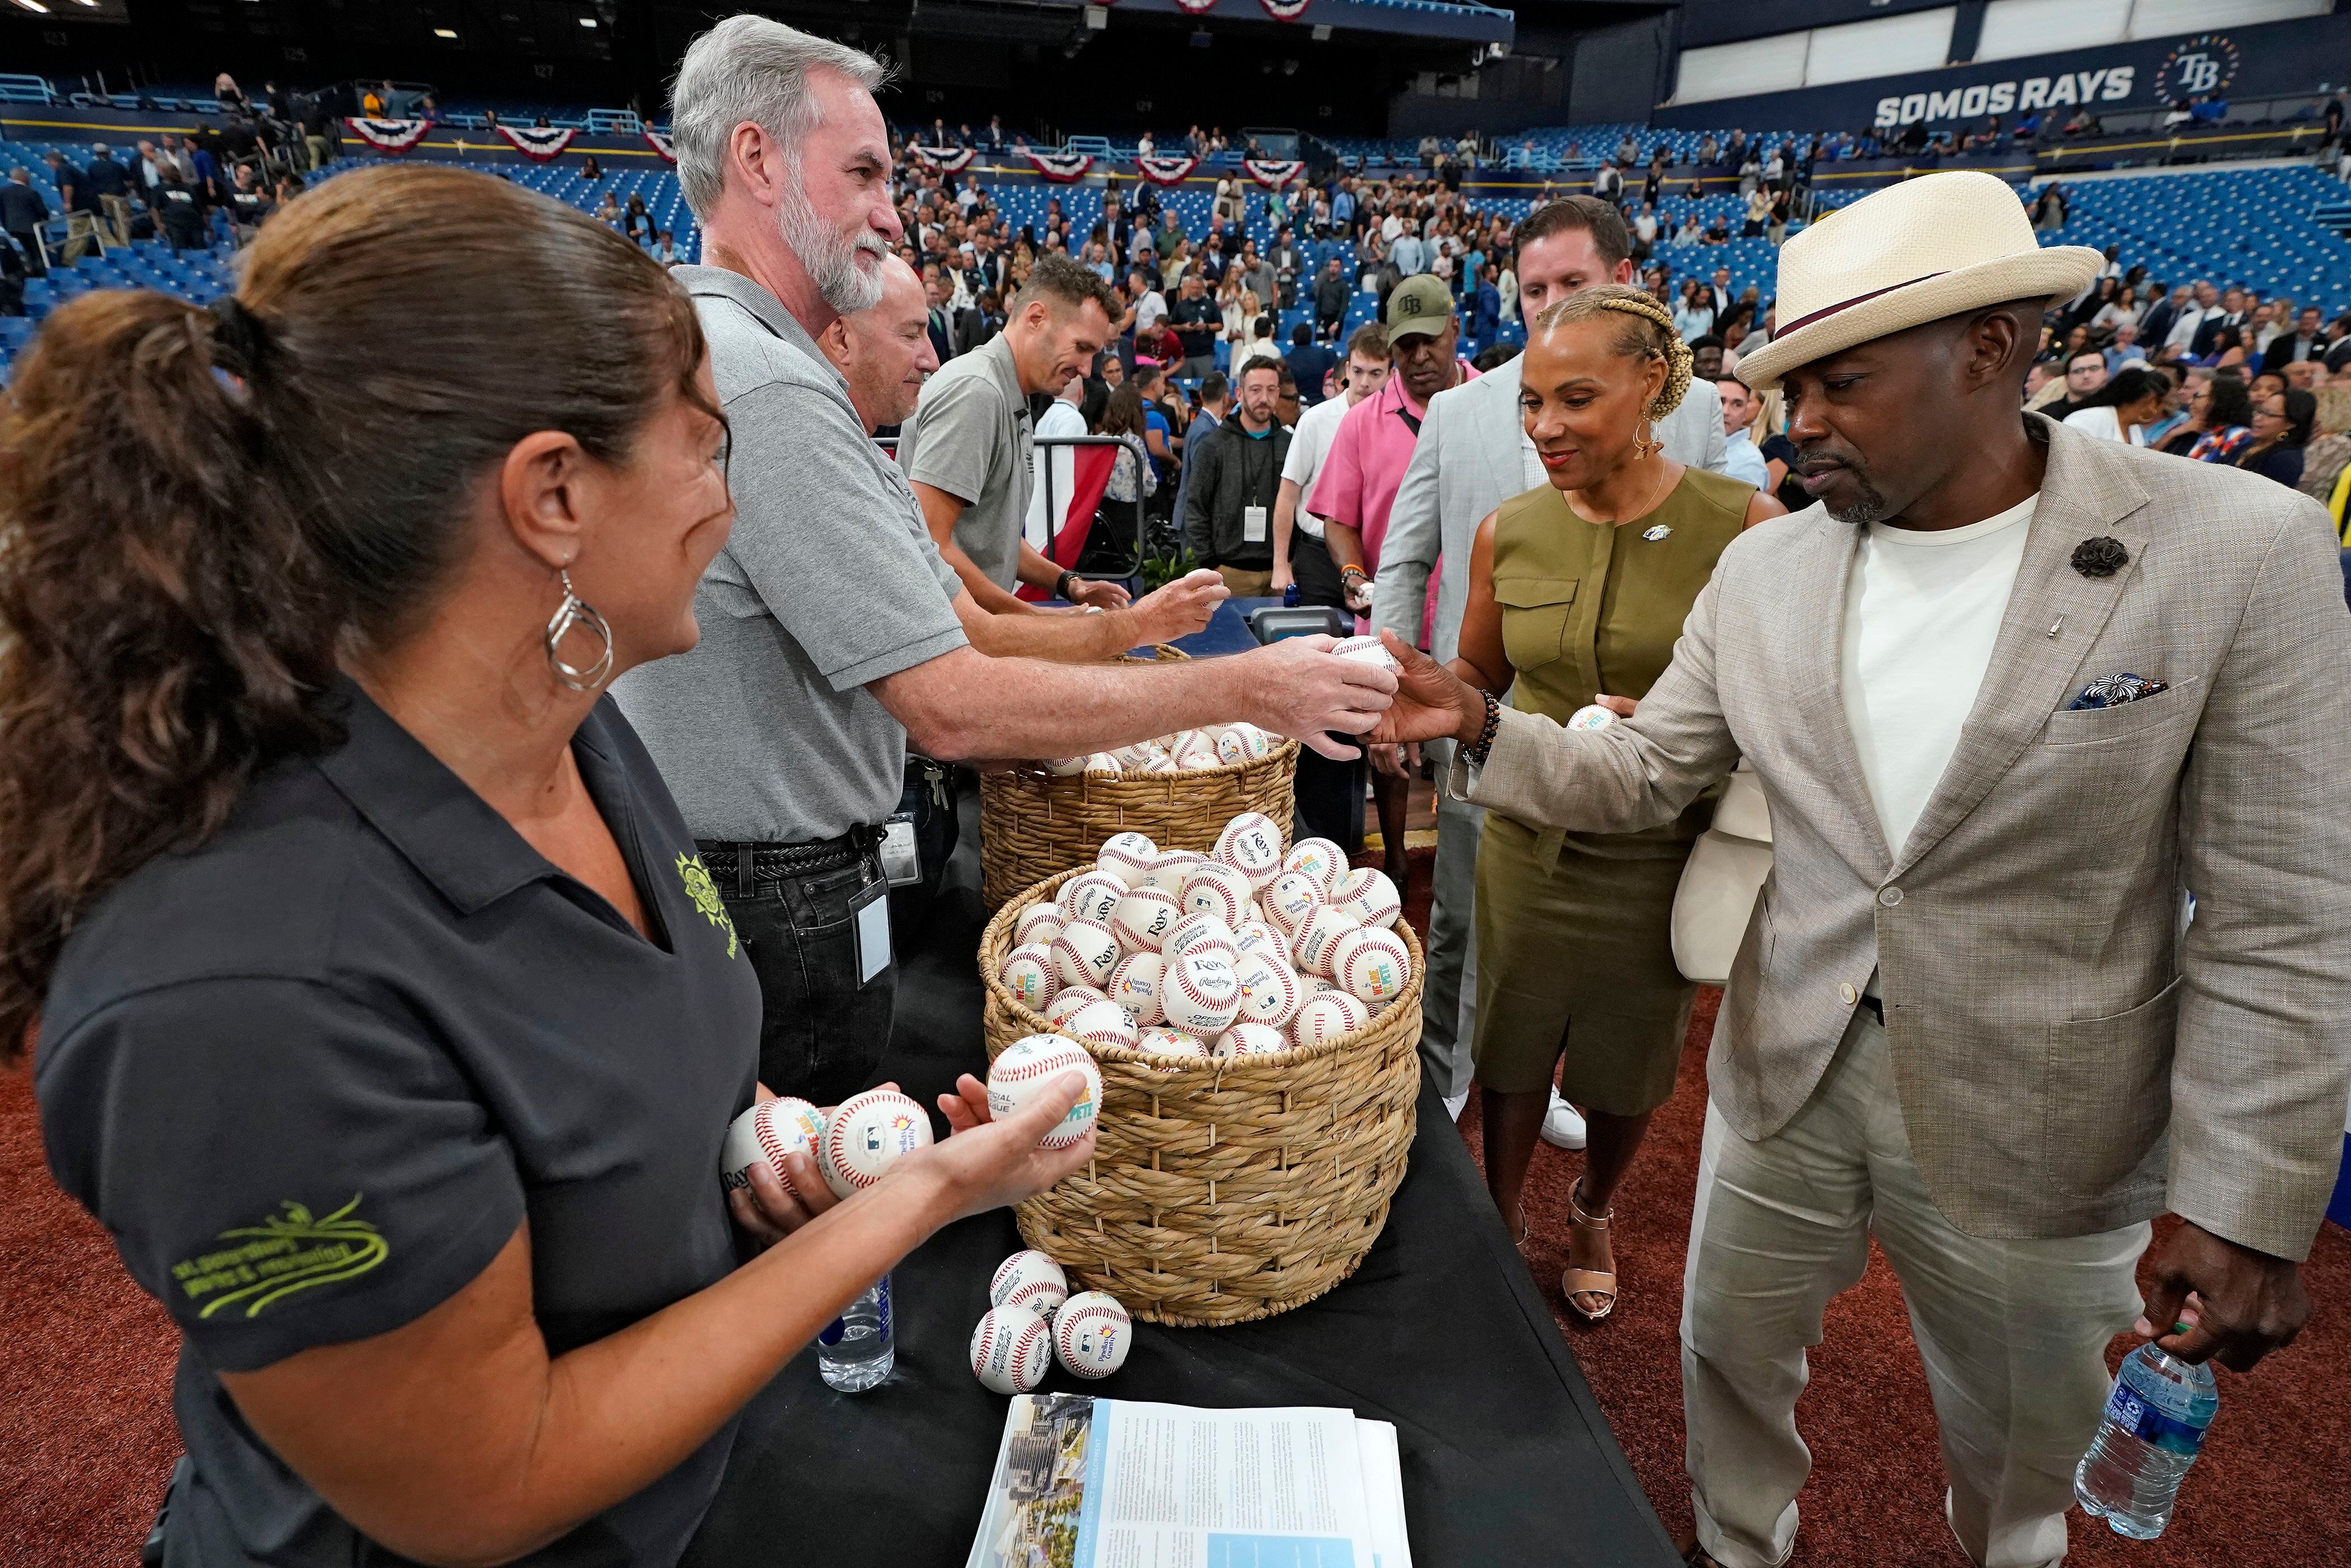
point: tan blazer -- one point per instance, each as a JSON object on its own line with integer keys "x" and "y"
{"x": 2049, "y": 1022}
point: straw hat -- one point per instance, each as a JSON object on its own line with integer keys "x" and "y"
{"x": 1912, "y": 253}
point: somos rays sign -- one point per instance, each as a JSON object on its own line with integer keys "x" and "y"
{"x": 2200, "y": 67}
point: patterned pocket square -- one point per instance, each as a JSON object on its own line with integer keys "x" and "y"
{"x": 2113, "y": 691}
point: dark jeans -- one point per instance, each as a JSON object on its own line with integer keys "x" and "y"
{"x": 821, "y": 1034}
{"x": 1329, "y": 794}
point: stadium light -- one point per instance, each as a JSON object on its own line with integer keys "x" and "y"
{"x": 587, "y": 21}
{"x": 34, "y": 5}
{"x": 445, "y": 32}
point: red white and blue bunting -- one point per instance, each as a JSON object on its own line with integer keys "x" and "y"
{"x": 946, "y": 160}
{"x": 1196, "y": 7}
{"x": 1166, "y": 171}
{"x": 1273, "y": 173}
{"x": 1063, "y": 167}
{"x": 539, "y": 143}
{"x": 661, "y": 142}
{"x": 1284, "y": 10}
{"x": 389, "y": 135}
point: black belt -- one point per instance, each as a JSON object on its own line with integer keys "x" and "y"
{"x": 745, "y": 863}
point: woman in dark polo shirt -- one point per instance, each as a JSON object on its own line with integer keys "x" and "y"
{"x": 386, "y": 1018}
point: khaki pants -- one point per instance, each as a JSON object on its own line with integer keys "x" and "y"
{"x": 317, "y": 147}
{"x": 1247, "y": 584}
{"x": 83, "y": 236}
{"x": 2012, "y": 1332}
{"x": 118, "y": 217}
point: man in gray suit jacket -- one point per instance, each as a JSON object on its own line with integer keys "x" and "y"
{"x": 2014, "y": 695}
{"x": 1472, "y": 456}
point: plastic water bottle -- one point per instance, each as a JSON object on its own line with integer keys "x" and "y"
{"x": 856, "y": 1349}
{"x": 2154, "y": 1425}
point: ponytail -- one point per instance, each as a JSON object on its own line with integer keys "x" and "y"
{"x": 165, "y": 624}
{"x": 201, "y": 509}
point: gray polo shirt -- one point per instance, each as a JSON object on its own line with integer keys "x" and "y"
{"x": 765, "y": 731}
{"x": 970, "y": 437}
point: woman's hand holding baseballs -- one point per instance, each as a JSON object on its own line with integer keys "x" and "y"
{"x": 990, "y": 1164}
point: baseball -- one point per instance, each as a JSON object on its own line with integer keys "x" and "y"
{"x": 1102, "y": 762}
{"x": 1201, "y": 930}
{"x": 867, "y": 1133}
{"x": 1269, "y": 993}
{"x": 1318, "y": 858}
{"x": 1065, "y": 766}
{"x": 1167, "y": 1042}
{"x": 1142, "y": 920}
{"x": 1251, "y": 845}
{"x": 1028, "y": 1064}
{"x": 1137, "y": 756}
{"x": 1083, "y": 954}
{"x": 1011, "y": 1349}
{"x": 1101, "y": 1023}
{"x": 1333, "y": 1015}
{"x": 1040, "y": 923}
{"x": 1215, "y": 888}
{"x": 1030, "y": 1280}
{"x": 1369, "y": 896}
{"x": 1310, "y": 945}
{"x": 1127, "y": 856}
{"x": 1251, "y": 1039}
{"x": 1200, "y": 994}
{"x": 1068, "y": 1000}
{"x": 1135, "y": 986}
{"x": 769, "y": 1131}
{"x": 1257, "y": 936}
{"x": 1371, "y": 964}
{"x": 1592, "y": 715}
{"x": 1369, "y": 650}
{"x": 1091, "y": 1334}
{"x": 1195, "y": 750}
{"x": 1160, "y": 763}
{"x": 1294, "y": 895}
{"x": 1231, "y": 746}
{"x": 1027, "y": 974}
{"x": 1169, "y": 870}
{"x": 1091, "y": 896}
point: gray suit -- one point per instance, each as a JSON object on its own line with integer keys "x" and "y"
{"x": 1467, "y": 462}
{"x": 2058, "y": 1061}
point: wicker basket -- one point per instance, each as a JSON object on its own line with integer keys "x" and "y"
{"x": 1033, "y": 825}
{"x": 1225, "y": 1191}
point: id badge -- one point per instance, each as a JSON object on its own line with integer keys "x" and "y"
{"x": 870, "y": 918}
{"x": 1253, "y": 525}
{"x": 902, "y": 862}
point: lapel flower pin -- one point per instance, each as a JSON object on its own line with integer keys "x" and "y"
{"x": 2100, "y": 557}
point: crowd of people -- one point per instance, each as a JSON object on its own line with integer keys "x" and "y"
{"x": 469, "y": 780}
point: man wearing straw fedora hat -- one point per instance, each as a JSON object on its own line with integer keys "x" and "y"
{"x": 2014, "y": 697}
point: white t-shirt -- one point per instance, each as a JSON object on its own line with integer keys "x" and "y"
{"x": 1152, "y": 306}
{"x": 1921, "y": 614}
{"x": 1061, "y": 419}
{"x": 1310, "y": 443}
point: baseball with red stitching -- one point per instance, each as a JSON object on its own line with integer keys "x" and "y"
{"x": 1092, "y": 1334}
{"x": 1291, "y": 897}
{"x": 1142, "y": 920}
{"x": 1169, "y": 870}
{"x": 1321, "y": 859}
{"x": 1027, "y": 973}
{"x": 1333, "y": 1015}
{"x": 1369, "y": 896}
{"x": 1083, "y": 953}
{"x": 769, "y": 1131}
{"x": 1270, "y": 992}
{"x": 1250, "y": 1039}
{"x": 1369, "y": 649}
{"x": 1028, "y": 1064}
{"x": 1011, "y": 1349}
{"x": 1257, "y": 936}
{"x": 1070, "y": 1001}
{"x": 1127, "y": 856}
{"x": 1311, "y": 943}
{"x": 1200, "y": 994}
{"x": 1029, "y": 1280}
{"x": 1040, "y": 923}
{"x": 1104, "y": 1023}
{"x": 1093, "y": 896}
{"x": 1135, "y": 985}
{"x": 1201, "y": 931}
{"x": 1216, "y": 888}
{"x": 1371, "y": 964}
{"x": 867, "y": 1133}
{"x": 1251, "y": 845}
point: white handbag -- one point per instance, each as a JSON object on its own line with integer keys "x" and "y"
{"x": 1721, "y": 881}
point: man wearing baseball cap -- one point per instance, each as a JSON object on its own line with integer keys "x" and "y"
{"x": 2015, "y": 696}
{"x": 1352, "y": 492}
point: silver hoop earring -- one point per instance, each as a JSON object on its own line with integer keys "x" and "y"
{"x": 577, "y": 613}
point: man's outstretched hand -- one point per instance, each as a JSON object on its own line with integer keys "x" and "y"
{"x": 1431, "y": 701}
{"x": 2247, "y": 1303}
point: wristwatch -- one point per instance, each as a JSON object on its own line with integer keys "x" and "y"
{"x": 1061, "y": 586}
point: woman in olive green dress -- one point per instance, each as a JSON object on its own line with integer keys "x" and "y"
{"x": 1577, "y": 593}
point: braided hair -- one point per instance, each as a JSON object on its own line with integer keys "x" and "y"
{"x": 1647, "y": 333}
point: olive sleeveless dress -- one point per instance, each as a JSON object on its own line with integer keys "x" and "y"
{"x": 1574, "y": 930}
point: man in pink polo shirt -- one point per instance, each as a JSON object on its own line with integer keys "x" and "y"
{"x": 1358, "y": 484}
{"x": 1373, "y": 444}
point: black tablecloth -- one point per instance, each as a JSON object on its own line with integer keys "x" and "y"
{"x": 1506, "y": 1459}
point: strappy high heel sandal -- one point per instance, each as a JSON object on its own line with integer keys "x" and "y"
{"x": 1576, "y": 1282}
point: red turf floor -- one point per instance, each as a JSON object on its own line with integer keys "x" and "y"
{"x": 85, "y": 1434}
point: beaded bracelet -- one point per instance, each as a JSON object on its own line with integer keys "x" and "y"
{"x": 1475, "y": 754}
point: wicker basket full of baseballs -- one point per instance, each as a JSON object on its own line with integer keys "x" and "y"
{"x": 1254, "y": 1016}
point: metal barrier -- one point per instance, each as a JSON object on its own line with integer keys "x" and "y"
{"x": 1053, "y": 518}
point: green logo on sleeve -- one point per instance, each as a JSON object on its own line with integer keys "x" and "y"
{"x": 283, "y": 1254}
{"x": 705, "y": 894}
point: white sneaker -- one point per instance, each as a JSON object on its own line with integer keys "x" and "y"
{"x": 1453, "y": 1104}
{"x": 1562, "y": 1128}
